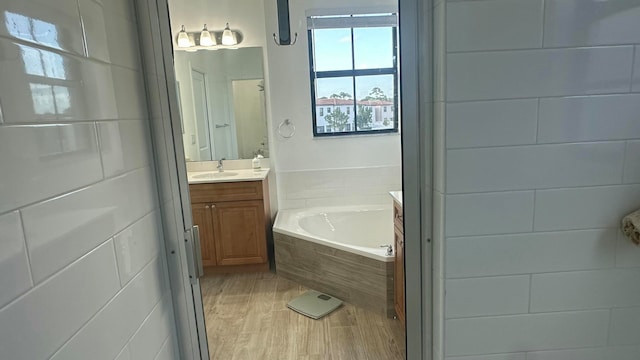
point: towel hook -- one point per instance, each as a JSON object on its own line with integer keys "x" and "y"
{"x": 289, "y": 124}
{"x": 295, "y": 39}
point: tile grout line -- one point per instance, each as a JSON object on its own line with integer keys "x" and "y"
{"x": 538, "y": 122}
{"x": 624, "y": 161}
{"x": 97, "y": 132}
{"x": 633, "y": 67}
{"x": 78, "y": 189}
{"x": 535, "y": 49}
{"x": 560, "y": 96}
{"x": 530, "y": 291}
{"x": 27, "y": 251}
{"x": 544, "y": 19}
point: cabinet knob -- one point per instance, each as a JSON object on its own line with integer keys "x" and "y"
{"x": 207, "y": 207}
{"x": 213, "y": 206}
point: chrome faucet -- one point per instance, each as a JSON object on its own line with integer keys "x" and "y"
{"x": 220, "y": 167}
{"x": 389, "y": 249}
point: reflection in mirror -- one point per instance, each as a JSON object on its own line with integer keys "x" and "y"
{"x": 223, "y": 103}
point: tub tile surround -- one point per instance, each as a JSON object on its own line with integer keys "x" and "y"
{"x": 80, "y": 239}
{"x": 540, "y": 158}
{"x": 353, "y": 278}
{"x": 335, "y": 187}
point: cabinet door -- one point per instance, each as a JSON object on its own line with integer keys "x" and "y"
{"x": 203, "y": 217}
{"x": 240, "y": 234}
{"x": 398, "y": 274}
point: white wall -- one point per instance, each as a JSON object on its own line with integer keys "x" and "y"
{"x": 537, "y": 146}
{"x": 82, "y": 266}
{"x": 311, "y": 171}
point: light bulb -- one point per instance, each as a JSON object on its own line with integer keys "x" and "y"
{"x": 228, "y": 37}
{"x": 183, "y": 38}
{"x": 205, "y": 37}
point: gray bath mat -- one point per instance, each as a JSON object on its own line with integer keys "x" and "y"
{"x": 314, "y": 304}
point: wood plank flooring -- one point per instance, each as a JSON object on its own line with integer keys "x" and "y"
{"x": 247, "y": 318}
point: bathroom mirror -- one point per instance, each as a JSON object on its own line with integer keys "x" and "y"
{"x": 222, "y": 102}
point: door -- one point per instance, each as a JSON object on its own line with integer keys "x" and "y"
{"x": 203, "y": 218}
{"x": 239, "y": 232}
{"x": 248, "y": 105}
{"x": 398, "y": 273}
{"x": 201, "y": 111}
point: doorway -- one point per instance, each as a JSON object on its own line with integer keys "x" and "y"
{"x": 202, "y": 121}
{"x": 415, "y": 288}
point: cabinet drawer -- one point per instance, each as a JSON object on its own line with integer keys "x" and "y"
{"x": 398, "y": 218}
{"x": 226, "y": 191}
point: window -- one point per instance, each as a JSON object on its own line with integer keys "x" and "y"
{"x": 353, "y": 69}
{"x": 320, "y": 129}
{"x": 321, "y": 111}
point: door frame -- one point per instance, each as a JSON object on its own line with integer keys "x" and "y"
{"x": 416, "y": 101}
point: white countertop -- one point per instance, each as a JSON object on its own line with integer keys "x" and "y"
{"x": 397, "y": 196}
{"x": 231, "y": 175}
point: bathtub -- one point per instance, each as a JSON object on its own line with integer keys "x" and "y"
{"x": 337, "y": 250}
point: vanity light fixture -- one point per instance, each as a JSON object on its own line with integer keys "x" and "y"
{"x": 205, "y": 37}
{"x": 183, "y": 38}
{"x": 228, "y": 37}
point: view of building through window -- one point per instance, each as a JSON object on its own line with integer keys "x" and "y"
{"x": 355, "y": 76}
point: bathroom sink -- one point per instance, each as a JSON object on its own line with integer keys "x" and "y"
{"x": 216, "y": 175}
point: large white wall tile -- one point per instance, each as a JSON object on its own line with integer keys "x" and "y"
{"x": 149, "y": 338}
{"x": 66, "y": 90}
{"x": 61, "y": 230}
{"x": 502, "y": 295}
{"x": 583, "y": 23}
{"x": 589, "y": 118}
{"x": 105, "y": 335}
{"x": 584, "y": 208}
{"x": 168, "y": 350}
{"x": 137, "y": 245}
{"x": 534, "y": 167}
{"x": 53, "y": 159}
{"x": 93, "y": 22}
{"x": 608, "y": 353}
{"x": 15, "y": 277}
{"x": 489, "y": 213}
{"x": 530, "y": 253}
{"x": 532, "y": 73}
{"x": 632, "y": 162}
{"x": 55, "y": 25}
{"x": 480, "y": 25}
{"x": 122, "y": 46}
{"x": 625, "y": 326}
{"x": 583, "y": 290}
{"x": 130, "y": 93}
{"x": 526, "y": 332}
{"x": 121, "y": 146}
{"x": 492, "y": 123}
{"x": 513, "y": 356}
{"x": 43, "y": 319}
{"x": 124, "y": 354}
{"x": 627, "y": 253}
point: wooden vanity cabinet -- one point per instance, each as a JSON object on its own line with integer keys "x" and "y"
{"x": 398, "y": 266}
{"x": 234, "y": 223}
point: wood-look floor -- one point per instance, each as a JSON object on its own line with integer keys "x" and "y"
{"x": 247, "y": 318}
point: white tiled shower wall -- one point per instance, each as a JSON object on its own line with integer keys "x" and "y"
{"x": 538, "y": 102}
{"x": 82, "y": 266}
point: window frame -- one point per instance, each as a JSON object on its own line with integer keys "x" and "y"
{"x": 354, "y": 73}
